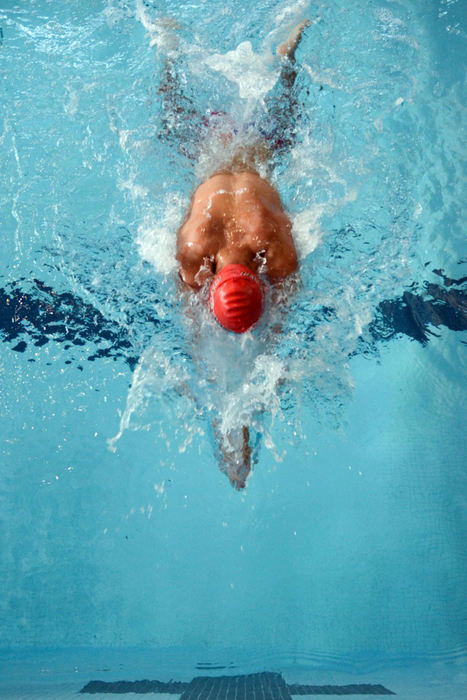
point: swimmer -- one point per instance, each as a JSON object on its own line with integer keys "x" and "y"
{"x": 236, "y": 228}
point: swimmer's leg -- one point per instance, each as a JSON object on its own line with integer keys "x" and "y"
{"x": 257, "y": 154}
{"x": 282, "y": 106}
{"x": 289, "y": 46}
{"x": 177, "y": 107}
{"x": 286, "y": 51}
{"x": 180, "y": 119}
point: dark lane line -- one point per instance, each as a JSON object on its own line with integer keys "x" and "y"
{"x": 41, "y": 315}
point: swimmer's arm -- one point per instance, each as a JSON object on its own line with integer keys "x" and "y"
{"x": 195, "y": 274}
{"x": 282, "y": 269}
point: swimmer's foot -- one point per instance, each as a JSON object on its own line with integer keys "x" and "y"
{"x": 289, "y": 46}
{"x": 165, "y": 35}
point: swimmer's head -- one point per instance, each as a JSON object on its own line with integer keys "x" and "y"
{"x": 236, "y": 298}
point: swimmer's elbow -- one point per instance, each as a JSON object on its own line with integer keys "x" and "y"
{"x": 188, "y": 267}
{"x": 188, "y": 277}
{"x": 292, "y": 264}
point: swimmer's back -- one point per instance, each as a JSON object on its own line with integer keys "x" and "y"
{"x": 235, "y": 217}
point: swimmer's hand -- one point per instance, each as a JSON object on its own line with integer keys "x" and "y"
{"x": 235, "y": 455}
{"x": 241, "y": 468}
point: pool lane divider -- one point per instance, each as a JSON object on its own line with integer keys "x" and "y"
{"x": 266, "y": 685}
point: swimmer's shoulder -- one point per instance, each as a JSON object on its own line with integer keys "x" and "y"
{"x": 216, "y": 183}
{"x": 231, "y": 181}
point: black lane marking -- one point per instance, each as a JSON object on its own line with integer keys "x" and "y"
{"x": 266, "y": 685}
{"x": 358, "y": 689}
{"x": 141, "y": 687}
{"x": 41, "y": 314}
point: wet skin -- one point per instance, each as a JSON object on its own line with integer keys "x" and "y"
{"x": 235, "y": 218}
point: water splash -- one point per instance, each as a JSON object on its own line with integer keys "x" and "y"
{"x": 345, "y": 268}
{"x": 251, "y": 72}
{"x": 346, "y": 184}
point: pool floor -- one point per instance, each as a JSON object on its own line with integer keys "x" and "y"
{"x": 52, "y": 675}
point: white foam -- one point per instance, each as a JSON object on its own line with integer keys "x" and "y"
{"x": 291, "y": 12}
{"x": 156, "y": 238}
{"x": 237, "y": 381}
{"x": 306, "y": 230}
{"x": 255, "y": 394}
{"x": 153, "y": 377}
{"x": 253, "y": 73}
{"x": 286, "y": 19}
{"x": 324, "y": 76}
{"x": 136, "y": 191}
{"x": 71, "y": 107}
{"x": 115, "y": 12}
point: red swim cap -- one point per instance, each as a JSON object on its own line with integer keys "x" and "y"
{"x": 236, "y": 298}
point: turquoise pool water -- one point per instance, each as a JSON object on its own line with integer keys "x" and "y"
{"x": 346, "y": 552}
